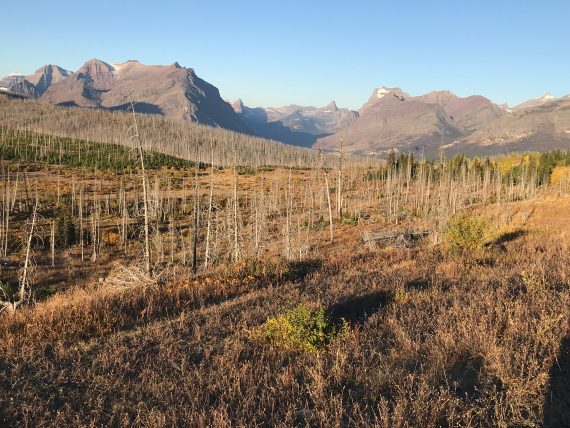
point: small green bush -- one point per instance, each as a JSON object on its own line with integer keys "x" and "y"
{"x": 467, "y": 233}
{"x": 64, "y": 228}
{"x": 245, "y": 170}
{"x": 349, "y": 218}
{"x": 301, "y": 328}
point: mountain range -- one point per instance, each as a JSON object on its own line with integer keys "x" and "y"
{"x": 389, "y": 120}
{"x": 293, "y": 124}
{"x": 169, "y": 90}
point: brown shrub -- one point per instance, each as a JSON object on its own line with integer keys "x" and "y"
{"x": 470, "y": 345}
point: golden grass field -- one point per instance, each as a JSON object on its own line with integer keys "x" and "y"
{"x": 435, "y": 338}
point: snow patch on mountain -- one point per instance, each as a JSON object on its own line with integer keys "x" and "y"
{"x": 117, "y": 67}
{"x": 381, "y": 92}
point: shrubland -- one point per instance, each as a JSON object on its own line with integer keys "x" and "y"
{"x": 279, "y": 295}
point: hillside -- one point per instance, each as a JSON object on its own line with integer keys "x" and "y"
{"x": 434, "y": 340}
{"x": 170, "y": 136}
{"x": 406, "y": 293}
{"x": 535, "y": 102}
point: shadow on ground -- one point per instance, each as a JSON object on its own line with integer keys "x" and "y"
{"x": 509, "y": 236}
{"x": 357, "y": 309}
{"x": 557, "y": 400}
{"x": 299, "y": 270}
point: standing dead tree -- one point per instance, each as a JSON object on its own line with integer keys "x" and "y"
{"x": 339, "y": 180}
{"x": 328, "y": 192}
{"x": 236, "y": 253}
{"x": 209, "y": 227}
{"x": 25, "y": 283}
{"x": 195, "y": 220}
{"x": 25, "y": 278}
{"x": 140, "y": 150}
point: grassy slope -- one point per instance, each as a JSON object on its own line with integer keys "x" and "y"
{"x": 437, "y": 340}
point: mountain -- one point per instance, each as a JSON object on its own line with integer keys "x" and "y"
{"x": 535, "y": 102}
{"x": 392, "y": 119}
{"x": 470, "y": 112}
{"x": 294, "y": 124}
{"x": 85, "y": 87}
{"x": 169, "y": 90}
{"x": 44, "y": 77}
{"x": 36, "y": 84}
{"x": 16, "y": 84}
{"x": 540, "y": 128}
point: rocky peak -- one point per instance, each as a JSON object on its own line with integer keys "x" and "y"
{"x": 237, "y": 105}
{"x": 331, "y": 106}
{"x": 94, "y": 67}
{"x": 46, "y": 76}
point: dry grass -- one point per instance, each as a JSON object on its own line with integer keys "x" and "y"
{"x": 435, "y": 339}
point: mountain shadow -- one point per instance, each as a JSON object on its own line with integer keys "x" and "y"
{"x": 13, "y": 96}
{"x": 557, "y": 400}
{"x": 67, "y": 104}
{"x": 279, "y": 132}
{"x": 140, "y": 107}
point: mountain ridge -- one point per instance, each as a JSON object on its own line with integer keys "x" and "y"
{"x": 170, "y": 90}
{"x": 390, "y": 119}
{"x": 394, "y": 120}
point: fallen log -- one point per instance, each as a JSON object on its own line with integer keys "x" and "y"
{"x": 398, "y": 238}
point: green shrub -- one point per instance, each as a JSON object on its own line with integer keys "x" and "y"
{"x": 64, "y": 229}
{"x": 467, "y": 233}
{"x": 349, "y": 218}
{"x": 245, "y": 170}
{"x": 301, "y": 328}
{"x": 75, "y": 153}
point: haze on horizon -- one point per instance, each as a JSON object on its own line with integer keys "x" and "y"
{"x": 273, "y": 54}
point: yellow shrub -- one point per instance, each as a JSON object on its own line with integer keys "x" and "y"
{"x": 560, "y": 175}
{"x": 111, "y": 237}
{"x": 467, "y": 233}
{"x": 301, "y": 328}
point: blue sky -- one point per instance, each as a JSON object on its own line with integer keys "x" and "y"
{"x": 272, "y": 53}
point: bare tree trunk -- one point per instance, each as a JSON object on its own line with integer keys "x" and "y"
{"x": 58, "y": 185}
{"x": 235, "y": 217}
{"x": 94, "y": 212}
{"x": 5, "y": 212}
{"x": 81, "y": 223}
{"x": 52, "y": 243}
{"x": 339, "y": 183}
{"x": 144, "y": 189}
{"x": 327, "y": 189}
{"x": 208, "y": 231}
{"x": 195, "y": 235}
{"x": 288, "y": 217}
{"x": 24, "y": 281}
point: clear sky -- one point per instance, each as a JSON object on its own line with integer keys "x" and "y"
{"x": 272, "y": 52}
